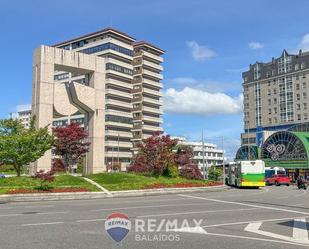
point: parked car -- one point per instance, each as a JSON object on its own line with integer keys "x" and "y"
{"x": 278, "y": 180}
{"x": 2, "y": 175}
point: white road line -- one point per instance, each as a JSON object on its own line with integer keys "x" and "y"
{"x": 254, "y": 238}
{"x": 244, "y": 204}
{"x": 42, "y": 224}
{"x": 151, "y": 206}
{"x": 9, "y": 215}
{"x": 252, "y": 221}
{"x": 254, "y": 228}
{"x": 197, "y": 212}
{"x": 300, "y": 229}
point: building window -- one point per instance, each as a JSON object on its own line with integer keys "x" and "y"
{"x": 297, "y": 86}
{"x": 111, "y": 66}
{"x": 269, "y": 101}
{"x": 269, "y": 111}
{"x": 305, "y": 116}
{"x": 297, "y": 77}
{"x": 298, "y": 107}
{"x": 298, "y": 117}
{"x": 304, "y": 85}
{"x": 275, "y": 91}
{"x": 296, "y": 67}
{"x": 304, "y": 95}
{"x": 275, "y": 101}
{"x": 302, "y": 65}
{"x": 106, "y": 46}
{"x": 305, "y": 106}
{"x": 297, "y": 96}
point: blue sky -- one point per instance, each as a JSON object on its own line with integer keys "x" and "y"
{"x": 208, "y": 44}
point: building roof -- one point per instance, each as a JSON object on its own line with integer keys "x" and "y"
{"x": 106, "y": 30}
{"x": 148, "y": 44}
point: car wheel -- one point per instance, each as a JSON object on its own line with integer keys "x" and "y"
{"x": 277, "y": 184}
{"x": 288, "y": 185}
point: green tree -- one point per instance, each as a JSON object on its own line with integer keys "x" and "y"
{"x": 214, "y": 173}
{"x": 20, "y": 146}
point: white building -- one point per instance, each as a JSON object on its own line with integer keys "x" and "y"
{"x": 24, "y": 117}
{"x": 212, "y": 155}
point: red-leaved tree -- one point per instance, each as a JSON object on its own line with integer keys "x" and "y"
{"x": 71, "y": 144}
{"x": 155, "y": 155}
{"x": 186, "y": 166}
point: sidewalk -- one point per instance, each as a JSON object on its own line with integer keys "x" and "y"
{"x": 100, "y": 195}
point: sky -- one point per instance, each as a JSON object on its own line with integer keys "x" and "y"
{"x": 208, "y": 45}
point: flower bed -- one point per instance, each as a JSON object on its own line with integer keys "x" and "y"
{"x": 53, "y": 190}
{"x": 181, "y": 185}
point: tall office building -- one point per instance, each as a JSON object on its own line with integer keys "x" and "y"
{"x": 147, "y": 101}
{"x": 131, "y": 80}
{"x": 276, "y": 96}
{"x": 24, "y": 117}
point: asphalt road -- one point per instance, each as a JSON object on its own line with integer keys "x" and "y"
{"x": 274, "y": 217}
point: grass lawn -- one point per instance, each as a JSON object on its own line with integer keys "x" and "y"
{"x": 25, "y": 182}
{"x": 127, "y": 181}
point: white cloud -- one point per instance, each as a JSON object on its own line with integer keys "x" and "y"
{"x": 200, "y": 52}
{"x": 255, "y": 45}
{"x": 25, "y": 107}
{"x": 199, "y": 102}
{"x": 204, "y": 84}
{"x": 20, "y": 108}
{"x": 304, "y": 43}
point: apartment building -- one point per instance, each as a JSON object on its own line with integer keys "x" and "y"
{"x": 124, "y": 59}
{"x": 24, "y": 117}
{"x": 147, "y": 103}
{"x": 276, "y": 96}
{"x": 212, "y": 154}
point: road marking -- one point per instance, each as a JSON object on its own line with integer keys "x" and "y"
{"x": 300, "y": 229}
{"x": 151, "y": 206}
{"x": 254, "y": 228}
{"x": 42, "y": 224}
{"x": 244, "y": 204}
{"x": 254, "y": 238}
{"x": 198, "y": 230}
{"x": 197, "y": 212}
{"x": 252, "y": 221}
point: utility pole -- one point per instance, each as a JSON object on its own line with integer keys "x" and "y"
{"x": 203, "y": 155}
{"x": 223, "y": 161}
{"x": 118, "y": 150}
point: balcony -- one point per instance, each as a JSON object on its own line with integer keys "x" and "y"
{"x": 152, "y": 101}
{"x": 111, "y": 91}
{"x": 152, "y": 56}
{"x": 125, "y": 134}
{"x": 152, "y": 65}
{"x": 114, "y": 154}
{"x": 152, "y": 128}
{"x": 109, "y": 71}
{"x": 118, "y": 124}
{"x": 137, "y": 90}
{"x": 152, "y": 119}
{"x": 153, "y": 110}
{"x": 137, "y": 127}
{"x": 152, "y": 83}
{"x": 152, "y": 74}
{"x": 121, "y": 144}
{"x": 118, "y": 113}
{"x": 118, "y": 103}
{"x": 119, "y": 83}
{"x": 152, "y": 92}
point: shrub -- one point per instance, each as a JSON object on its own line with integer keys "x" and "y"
{"x": 191, "y": 171}
{"x": 171, "y": 171}
{"x": 214, "y": 173}
{"x": 45, "y": 179}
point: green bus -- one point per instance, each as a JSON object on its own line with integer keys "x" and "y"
{"x": 246, "y": 174}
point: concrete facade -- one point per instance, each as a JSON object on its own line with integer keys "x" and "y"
{"x": 121, "y": 56}
{"x": 89, "y": 100}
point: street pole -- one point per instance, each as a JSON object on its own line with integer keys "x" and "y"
{"x": 118, "y": 153}
{"x": 203, "y": 155}
{"x": 223, "y": 162}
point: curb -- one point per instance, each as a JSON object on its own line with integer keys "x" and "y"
{"x": 98, "y": 186}
{"x": 101, "y": 195}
